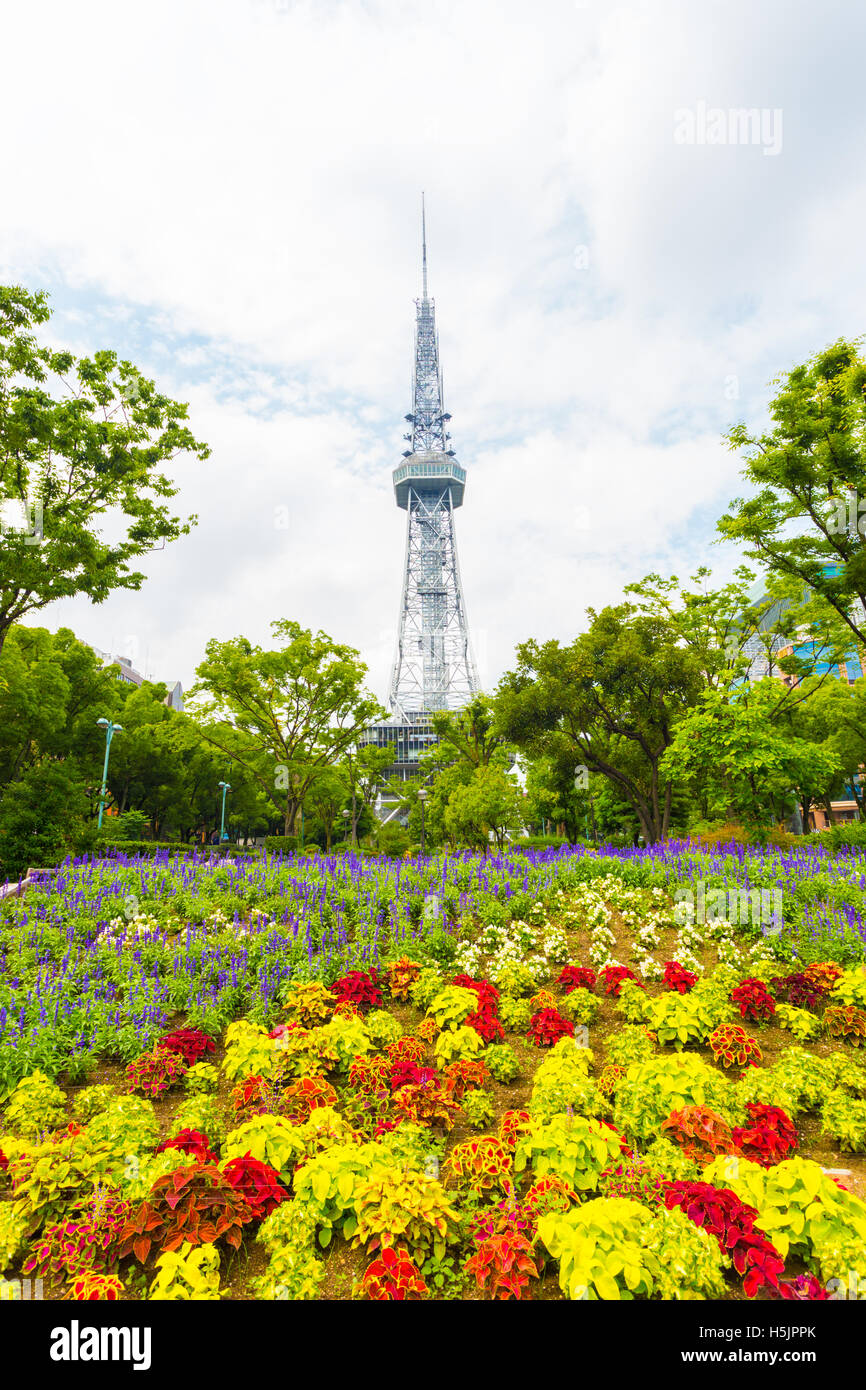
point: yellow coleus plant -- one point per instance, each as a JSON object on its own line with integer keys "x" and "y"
{"x": 190, "y": 1273}
{"x": 409, "y": 1208}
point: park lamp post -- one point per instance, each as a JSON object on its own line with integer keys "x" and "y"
{"x": 422, "y": 797}
{"x": 345, "y": 815}
{"x": 110, "y": 729}
{"x": 226, "y": 786}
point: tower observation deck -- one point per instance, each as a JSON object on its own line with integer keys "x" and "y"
{"x": 433, "y": 665}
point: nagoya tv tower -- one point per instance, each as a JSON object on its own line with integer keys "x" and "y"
{"x": 433, "y": 666}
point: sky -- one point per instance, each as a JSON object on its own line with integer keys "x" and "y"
{"x": 228, "y": 194}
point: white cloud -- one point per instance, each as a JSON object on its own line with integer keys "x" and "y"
{"x": 229, "y": 191}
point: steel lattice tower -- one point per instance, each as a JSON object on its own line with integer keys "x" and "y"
{"x": 433, "y": 666}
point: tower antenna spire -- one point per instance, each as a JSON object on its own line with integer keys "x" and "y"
{"x": 424, "y": 245}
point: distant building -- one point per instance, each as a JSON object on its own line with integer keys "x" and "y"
{"x": 852, "y": 669}
{"x": 128, "y": 674}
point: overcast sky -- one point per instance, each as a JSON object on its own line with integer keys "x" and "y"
{"x": 228, "y": 193}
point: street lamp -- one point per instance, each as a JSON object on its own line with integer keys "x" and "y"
{"x": 110, "y": 729}
{"x": 422, "y": 797}
{"x": 226, "y": 786}
{"x": 345, "y": 815}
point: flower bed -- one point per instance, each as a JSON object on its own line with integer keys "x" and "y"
{"x": 346, "y": 1091}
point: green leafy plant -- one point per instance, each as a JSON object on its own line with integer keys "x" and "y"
{"x": 652, "y": 1089}
{"x": 190, "y": 1273}
{"x": 562, "y": 1082}
{"x": 514, "y": 1013}
{"x": 501, "y": 1061}
{"x": 681, "y": 1019}
{"x": 613, "y": 1248}
{"x": 91, "y": 1100}
{"x": 201, "y": 1079}
{"x": 426, "y": 987}
{"x": 293, "y": 1273}
{"x": 35, "y": 1106}
{"x": 394, "y": 1206}
{"x": 804, "y": 1025}
{"x": 802, "y": 1211}
{"x": 452, "y": 1005}
{"x": 455, "y": 1044}
{"x": 630, "y": 1044}
{"x": 573, "y": 1148}
{"x": 580, "y": 1006}
{"x": 14, "y": 1225}
{"x": 478, "y": 1108}
{"x": 632, "y": 1001}
{"x": 844, "y": 1119}
{"x": 382, "y": 1027}
{"x": 250, "y": 1052}
{"x": 326, "y": 1186}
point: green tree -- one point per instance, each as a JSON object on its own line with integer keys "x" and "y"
{"x": 734, "y": 740}
{"x": 807, "y": 519}
{"x": 490, "y": 803}
{"x": 79, "y": 438}
{"x": 41, "y": 818}
{"x": 286, "y": 714}
{"x": 608, "y": 704}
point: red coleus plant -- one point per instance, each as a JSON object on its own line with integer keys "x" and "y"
{"x": 677, "y": 977}
{"x": 87, "y": 1241}
{"x": 369, "y": 1074}
{"x": 408, "y": 1074}
{"x": 721, "y": 1213}
{"x": 613, "y": 977}
{"x": 4, "y": 1162}
{"x": 576, "y": 977}
{"x": 465, "y": 1075}
{"x": 487, "y": 992}
{"x": 393, "y": 1276}
{"x": 363, "y": 989}
{"x": 796, "y": 990}
{"x": 633, "y": 1178}
{"x": 190, "y": 1141}
{"x": 427, "y": 1104}
{"x": 301, "y": 1098}
{"x": 255, "y": 1095}
{"x": 805, "y": 1288}
{"x": 190, "y": 1043}
{"x": 547, "y": 1195}
{"x": 733, "y": 1047}
{"x": 822, "y": 975}
{"x": 700, "y": 1133}
{"x": 769, "y": 1137}
{"x": 480, "y": 1164}
{"x": 154, "y": 1073}
{"x": 503, "y": 1258}
{"x": 89, "y": 1285}
{"x": 402, "y": 975}
{"x": 753, "y": 1000}
{"x": 405, "y": 1049}
{"x": 486, "y": 1024}
{"x": 548, "y": 1026}
{"x": 512, "y": 1125}
{"x": 197, "y": 1204}
{"x": 848, "y": 1022}
{"x": 623, "y": 1142}
{"x": 257, "y": 1182}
